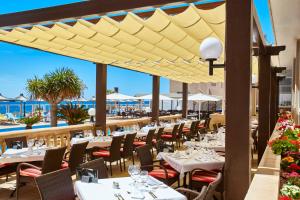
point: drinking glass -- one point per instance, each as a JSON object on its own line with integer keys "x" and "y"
{"x": 144, "y": 176}
{"x": 30, "y": 144}
{"x": 99, "y": 133}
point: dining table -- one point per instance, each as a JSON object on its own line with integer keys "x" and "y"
{"x": 126, "y": 189}
{"x": 187, "y": 160}
{"x": 102, "y": 141}
{"x": 23, "y": 155}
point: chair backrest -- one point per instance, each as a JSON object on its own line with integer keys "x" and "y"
{"x": 212, "y": 187}
{"x": 161, "y": 146}
{"x": 202, "y": 194}
{"x": 193, "y": 125}
{"x": 150, "y": 136}
{"x": 207, "y": 122}
{"x": 145, "y": 157}
{"x": 115, "y": 147}
{"x": 97, "y": 164}
{"x": 196, "y": 129}
{"x": 159, "y": 133}
{"x": 10, "y": 141}
{"x": 56, "y": 185}
{"x": 128, "y": 145}
{"x": 175, "y": 130}
{"x": 180, "y": 130}
{"x": 215, "y": 126}
{"x": 53, "y": 159}
{"x": 76, "y": 155}
{"x": 193, "y": 195}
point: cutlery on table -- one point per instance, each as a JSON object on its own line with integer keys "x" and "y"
{"x": 153, "y": 195}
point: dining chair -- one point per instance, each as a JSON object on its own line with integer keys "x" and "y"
{"x": 213, "y": 186}
{"x": 186, "y": 131}
{"x": 75, "y": 156}
{"x": 56, "y": 185}
{"x": 76, "y": 133}
{"x": 128, "y": 148}
{"x": 97, "y": 164}
{"x": 157, "y": 136}
{"x": 179, "y": 134}
{"x": 168, "y": 176}
{"x": 171, "y": 137}
{"x": 27, "y": 172}
{"x": 147, "y": 141}
{"x": 201, "y": 177}
{"x": 192, "y": 194}
{"x": 111, "y": 154}
{"x": 10, "y": 141}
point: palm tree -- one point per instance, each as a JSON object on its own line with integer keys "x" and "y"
{"x": 54, "y": 87}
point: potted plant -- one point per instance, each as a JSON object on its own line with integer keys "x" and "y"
{"x": 73, "y": 114}
{"x": 29, "y": 121}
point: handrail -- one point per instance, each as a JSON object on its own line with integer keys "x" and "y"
{"x": 265, "y": 183}
{"x": 60, "y": 136}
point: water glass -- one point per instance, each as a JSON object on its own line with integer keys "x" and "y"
{"x": 30, "y": 144}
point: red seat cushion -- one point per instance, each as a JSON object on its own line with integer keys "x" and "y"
{"x": 166, "y": 136}
{"x": 139, "y": 143}
{"x": 4, "y": 165}
{"x": 202, "y": 176}
{"x": 160, "y": 173}
{"x": 64, "y": 165}
{"x": 101, "y": 153}
{"x": 31, "y": 172}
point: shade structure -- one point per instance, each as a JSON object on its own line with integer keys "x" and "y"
{"x": 21, "y": 97}
{"x": 149, "y": 97}
{"x": 93, "y": 98}
{"x": 119, "y": 97}
{"x": 3, "y": 98}
{"x": 143, "y": 44}
{"x": 81, "y": 99}
{"x": 202, "y": 97}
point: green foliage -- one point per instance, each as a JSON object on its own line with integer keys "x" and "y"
{"x": 294, "y": 181}
{"x": 56, "y": 86}
{"x": 29, "y": 121}
{"x": 73, "y": 114}
{"x": 292, "y": 191}
{"x": 291, "y": 134}
{"x": 282, "y": 146}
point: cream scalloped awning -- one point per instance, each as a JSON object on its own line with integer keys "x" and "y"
{"x": 163, "y": 45}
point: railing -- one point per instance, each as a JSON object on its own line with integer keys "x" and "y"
{"x": 265, "y": 183}
{"x": 60, "y": 136}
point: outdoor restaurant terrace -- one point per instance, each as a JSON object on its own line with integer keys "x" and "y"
{"x": 198, "y": 158}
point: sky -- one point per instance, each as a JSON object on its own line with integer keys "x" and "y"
{"x": 18, "y": 64}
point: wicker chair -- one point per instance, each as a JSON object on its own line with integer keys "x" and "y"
{"x": 112, "y": 154}
{"x": 27, "y": 172}
{"x": 157, "y": 136}
{"x": 10, "y": 141}
{"x": 56, "y": 185}
{"x": 128, "y": 148}
{"x": 148, "y": 140}
{"x": 213, "y": 186}
{"x": 193, "y": 195}
{"x": 171, "y": 137}
{"x": 76, "y": 156}
{"x": 97, "y": 164}
{"x": 179, "y": 135}
{"x": 202, "y": 177}
{"x": 187, "y": 131}
{"x": 167, "y": 176}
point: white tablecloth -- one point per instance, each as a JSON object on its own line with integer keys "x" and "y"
{"x": 104, "y": 141}
{"x": 104, "y": 190}
{"x": 214, "y": 144}
{"x": 22, "y": 155}
{"x": 188, "y": 163}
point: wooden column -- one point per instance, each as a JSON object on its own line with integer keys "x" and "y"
{"x": 155, "y": 98}
{"x": 238, "y": 46}
{"x": 101, "y": 86}
{"x": 273, "y": 95}
{"x": 184, "y": 100}
{"x": 264, "y": 65}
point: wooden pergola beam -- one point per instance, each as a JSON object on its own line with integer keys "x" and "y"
{"x": 101, "y": 86}
{"x": 268, "y": 50}
{"x": 155, "y": 98}
{"x": 184, "y": 100}
{"x": 89, "y": 8}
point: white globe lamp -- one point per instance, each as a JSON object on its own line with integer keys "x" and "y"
{"x": 210, "y": 50}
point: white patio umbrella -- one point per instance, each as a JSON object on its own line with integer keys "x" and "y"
{"x": 3, "y": 98}
{"x": 81, "y": 99}
{"x": 23, "y": 100}
{"x": 161, "y": 98}
{"x": 119, "y": 97}
{"x": 200, "y": 97}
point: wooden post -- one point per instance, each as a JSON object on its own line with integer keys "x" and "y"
{"x": 101, "y": 86}
{"x": 155, "y": 98}
{"x": 273, "y": 95}
{"x": 238, "y": 44}
{"x": 264, "y": 65}
{"x": 184, "y": 100}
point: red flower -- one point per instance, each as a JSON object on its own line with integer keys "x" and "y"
{"x": 294, "y": 166}
{"x": 285, "y": 198}
{"x": 282, "y": 128}
{"x": 294, "y": 142}
{"x": 296, "y": 126}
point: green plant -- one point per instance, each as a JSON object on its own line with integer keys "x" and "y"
{"x": 280, "y": 146}
{"x": 73, "y": 114}
{"x": 29, "y": 121}
{"x": 54, "y": 87}
{"x": 292, "y": 191}
{"x": 291, "y": 134}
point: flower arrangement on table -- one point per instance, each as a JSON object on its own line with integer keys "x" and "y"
{"x": 287, "y": 144}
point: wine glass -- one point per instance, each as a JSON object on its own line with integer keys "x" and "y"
{"x": 144, "y": 176}
{"x": 30, "y": 144}
{"x": 99, "y": 133}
